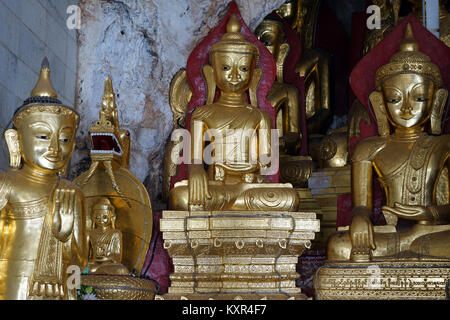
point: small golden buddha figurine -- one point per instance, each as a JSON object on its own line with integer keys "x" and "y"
{"x": 241, "y": 134}
{"x": 120, "y": 223}
{"x": 411, "y": 165}
{"x": 105, "y": 241}
{"x": 42, "y": 220}
{"x": 282, "y": 96}
{"x": 109, "y": 176}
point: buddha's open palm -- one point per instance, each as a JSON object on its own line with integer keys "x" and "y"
{"x": 63, "y": 217}
{"x": 420, "y": 213}
{"x": 198, "y": 186}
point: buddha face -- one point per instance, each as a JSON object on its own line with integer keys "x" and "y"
{"x": 271, "y": 35}
{"x": 102, "y": 216}
{"x": 47, "y": 140}
{"x": 409, "y": 99}
{"x": 233, "y": 71}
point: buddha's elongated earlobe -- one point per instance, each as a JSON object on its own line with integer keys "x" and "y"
{"x": 208, "y": 73}
{"x": 282, "y": 55}
{"x": 12, "y": 141}
{"x": 253, "y": 89}
{"x": 437, "y": 110}
{"x": 376, "y": 99}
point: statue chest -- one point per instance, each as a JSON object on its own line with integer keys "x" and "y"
{"x": 408, "y": 170}
{"x": 225, "y": 119}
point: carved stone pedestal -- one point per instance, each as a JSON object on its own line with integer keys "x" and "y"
{"x": 326, "y": 185}
{"x": 236, "y": 254}
{"x": 383, "y": 280}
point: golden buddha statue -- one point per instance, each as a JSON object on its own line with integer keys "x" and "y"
{"x": 42, "y": 219}
{"x": 412, "y": 165}
{"x": 314, "y": 64}
{"x": 241, "y": 133}
{"x": 105, "y": 241}
{"x": 120, "y": 224}
{"x": 228, "y": 213}
{"x": 282, "y": 96}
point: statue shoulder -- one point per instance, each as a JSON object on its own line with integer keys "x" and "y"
{"x": 203, "y": 112}
{"x": 265, "y": 119}
{"x": 6, "y": 178}
{"x": 366, "y": 149}
{"x": 444, "y": 140}
{"x": 441, "y": 145}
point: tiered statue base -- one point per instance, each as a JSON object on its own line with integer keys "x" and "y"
{"x": 383, "y": 280}
{"x": 119, "y": 287}
{"x": 326, "y": 185}
{"x": 236, "y": 254}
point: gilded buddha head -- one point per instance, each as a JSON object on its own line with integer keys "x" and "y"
{"x": 408, "y": 89}
{"x": 233, "y": 60}
{"x": 271, "y": 33}
{"x": 103, "y": 214}
{"x": 44, "y": 129}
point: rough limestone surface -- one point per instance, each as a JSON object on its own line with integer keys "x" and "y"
{"x": 141, "y": 44}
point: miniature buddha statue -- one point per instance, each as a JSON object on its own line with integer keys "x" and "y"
{"x": 412, "y": 165}
{"x": 282, "y": 96}
{"x": 105, "y": 241}
{"x": 241, "y": 134}
{"x": 42, "y": 219}
{"x": 120, "y": 220}
{"x": 109, "y": 176}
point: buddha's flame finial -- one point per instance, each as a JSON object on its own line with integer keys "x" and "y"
{"x": 409, "y": 43}
{"x": 109, "y": 108}
{"x": 108, "y": 91}
{"x": 233, "y": 25}
{"x": 44, "y": 87}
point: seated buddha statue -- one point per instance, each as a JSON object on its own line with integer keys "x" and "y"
{"x": 282, "y": 96}
{"x": 42, "y": 219}
{"x": 412, "y": 165}
{"x": 240, "y": 133}
{"x": 314, "y": 64}
{"x": 105, "y": 241}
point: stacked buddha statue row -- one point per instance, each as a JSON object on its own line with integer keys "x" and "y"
{"x": 229, "y": 232}
{"x": 322, "y": 175}
{"x": 286, "y": 99}
{"x": 45, "y": 221}
{"x": 388, "y": 262}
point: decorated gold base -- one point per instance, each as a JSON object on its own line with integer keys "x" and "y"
{"x": 326, "y": 186}
{"x": 115, "y": 287}
{"x": 385, "y": 280}
{"x": 240, "y": 253}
